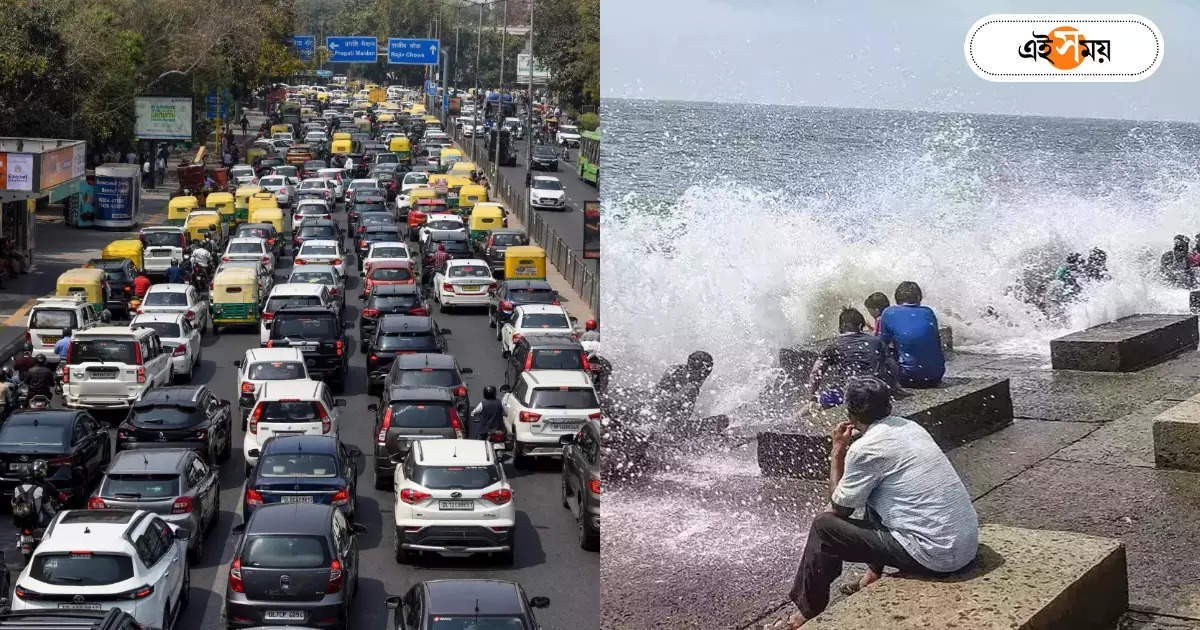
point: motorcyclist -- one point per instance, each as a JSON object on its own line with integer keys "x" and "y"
{"x": 174, "y": 272}
{"x": 591, "y": 331}
{"x": 63, "y": 345}
{"x": 35, "y": 501}
{"x": 9, "y": 382}
{"x": 141, "y": 284}
{"x": 487, "y": 416}
{"x": 40, "y": 378}
{"x": 25, "y": 361}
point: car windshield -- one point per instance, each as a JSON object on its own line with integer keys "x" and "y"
{"x": 533, "y": 296}
{"x": 289, "y": 411}
{"x": 478, "y": 622}
{"x": 544, "y": 152}
{"x": 377, "y": 218}
{"x": 568, "y": 128}
{"x": 547, "y": 184}
{"x": 389, "y": 252}
{"x": 163, "y": 415}
{"x": 312, "y": 209}
{"x": 416, "y": 178}
{"x": 445, "y": 224}
{"x": 563, "y": 398}
{"x": 318, "y": 250}
{"x": 456, "y": 477}
{"x": 360, "y": 184}
{"x": 316, "y": 231}
{"x": 271, "y": 181}
{"x": 160, "y": 239}
{"x": 166, "y": 298}
{"x": 245, "y": 248}
{"x": 506, "y": 240}
{"x": 252, "y": 232}
{"x": 387, "y": 157}
{"x": 429, "y": 377}
{"x": 285, "y": 552}
{"x": 303, "y": 327}
{"x": 390, "y": 303}
{"x": 545, "y": 320}
{"x": 285, "y": 171}
{"x": 58, "y": 318}
{"x": 423, "y": 416}
{"x": 102, "y": 351}
{"x": 165, "y": 330}
{"x": 407, "y": 340}
{"x": 369, "y": 206}
{"x": 456, "y": 247}
{"x": 391, "y": 275}
{"x": 381, "y": 235}
{"x": 277, "y": 301}
{"x": 313, "y": 465}
{"x": 470, "y": 271}
{"x": 242, "y": 171}
{"x": 140, "y": 486}
{"x": 312, "y": 277}
{"x": 312, "y": 184}
{"x": 29, "y": 436}
{"x": 557, "y": 360}
{"x": 81, "y": 568}
{"x": 275, "y": 371}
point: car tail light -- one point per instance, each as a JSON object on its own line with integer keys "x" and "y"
{"x": 141, "y": 592}
{"x": 341, "y": 347}
{"x": 515, "y": 338}
{"x": 179, "y": 351}
{"x": 446, "y": 286}
{"x": 182, "y": 505}
{"x": 268, "y": 316}
{"x": 334, "y": 292}
{"x": 235, "y": 576}
{"x": 253, "y": 497}
{"x": 420, "y": 310}
{"x": 499, "y": 497}
{"x": 529, "y": 416}
{"x": 224, "y": 259}
{"x": 595, "y": 416}
{"x": 191, "y": 315}
{"x": 455, "y": 423}
{"x": 362, "y": 228}
{"x": 529, "y": 361}
{"x": 247, "y": 387}
{"x": 362, "y": 244}
{"x": 337, "y": 261}
{"x": 594, "y": 486}
{"x": 28, "y": 337}
{"x": 270, "y": 343}
{"x": 254, "y": 417}
{"x": 384, "y": 426}
{"x": 202, "y": 434}
{"x": 141, "y": 374}
{"x": 336, "y": 578}
{"x": 555, "y": 303}
{"x": 326, "y": 421}
{"x": 270, "y": 241}
{"x": 96, "y": 503}
{"x": 266, "y": 259}
{"x": 412, "y": 497}
{"x": 506, "y": 305}
{"x": 341, "y": 497}
{"x": 128, "y": 289}
{"x": 301, "y": 261}
{"x": 461, "y": 391}
{"x": 66, "y": 373}
{"x": 122, "y": 434}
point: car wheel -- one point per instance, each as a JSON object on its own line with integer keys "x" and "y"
{"x": 521, "y": 461}
{"x": 509, "y": 557}
{"x": 403, "y": 556}
{"x": 589, "y": 538}
{"x": 565, "y": 495}
{"x": 196, "y": 550}
{"x": 382, "y": 483}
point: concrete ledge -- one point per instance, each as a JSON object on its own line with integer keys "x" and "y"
{"x": 957, "y": 411}
{"x": 1126, "y": 345}
{"x": 1177, "y": 436}
{"x": 797, "y": 361}
{"x": 1024, "y": 579}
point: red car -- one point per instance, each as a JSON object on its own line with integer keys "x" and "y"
{"x": 424, "y": 208}
{"x": 387, "y": 272}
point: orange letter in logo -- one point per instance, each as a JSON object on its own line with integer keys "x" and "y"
{"x": 1066, "y": 48}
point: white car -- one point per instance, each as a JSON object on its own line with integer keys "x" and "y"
{"x": 162, "y": 244}
{"x": 360, "y": 185}
{"x": 101, "y": 559}
{"x": 261, "y": 365}
{"x": 543, "y": 406}
{"x": 547, "y": 192}
{"x": 178, "y": 336}
{"x": 243, "y": 175}
{"x": 283, "y": 187}
{"x": 323, "y": 252}
{"x": 316, "y": 186}
{"x": 315, "y": 138}
{"x": 178, "y": 298}
{"x": 533, "y": 319}
{"x": 249, "y": 248}
{"x": 413, "y": 179}
{"x": 312, "y": 209}
{"x": 463, "y": 282}
{"x": 50, "y": 315}
{"x": 567, "y": 136}
{"x": 335, "y": 175}
{"x": 438, "y": 224}
{"x": 386, "y": 251}
{"x": 446, "y": 486}
{"x": 292, "y": 295}
{"x": 111, "y": 367}
{"x": 289, "y": 407}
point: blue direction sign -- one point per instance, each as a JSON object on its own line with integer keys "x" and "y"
{"x": 420, "y": 52}
{"x": 210, "y": 104}
{"x": 354, "y": 48}
{"x": 305, "y": 45}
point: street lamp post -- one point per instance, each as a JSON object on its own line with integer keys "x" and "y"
{"x": 529, "y": 106}
{"x": 500, "y": 108}
{"x": 475, "y": 110}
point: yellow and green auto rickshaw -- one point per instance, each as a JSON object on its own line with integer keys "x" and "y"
{"x": 341, "y": 135}
{"x": 201, "y": 222}
{"x": 461, "y": 167}
{"x": 402, "y": 147}
{"x": 448, "y": 158}
{"x": 341, "y": 147}
{"x": 262, "y": 199}
{"x": 280, "y": 128}
{"x": 484, "y": 219}
{"x": 468, "y": 196}
{"x": 179, "y": 208}
{"x": 234, "y": 297}
{"x": 86, "y": 282}
{"x": 454, "y": 185}
{"x": 425, "y": 192}
{"x": 130, "y": 248}
{"x": 524, "y": 262}
{"x": 268, "y": 214}
{"x": 241, "y": 202}
{"x": 224, "y": 203}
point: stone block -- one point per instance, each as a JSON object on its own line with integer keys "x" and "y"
{"x": 958, "y": 410}
{"x": 1023, "y": 579}
{"x": 1126, "y": 345}
{"x": 1177, "y": 436}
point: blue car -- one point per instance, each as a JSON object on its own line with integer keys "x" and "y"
{"x": 304, "y": 469}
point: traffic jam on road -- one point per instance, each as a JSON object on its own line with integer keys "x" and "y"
{"x": 343, "y": 386}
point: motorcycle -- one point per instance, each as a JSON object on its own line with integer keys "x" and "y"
{"x": 32, "y": 510}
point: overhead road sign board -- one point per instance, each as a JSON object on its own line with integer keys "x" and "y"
{"x": 305, "y": 45}
{"x": 353, "y": 48}
{"x": 419, "y": 52}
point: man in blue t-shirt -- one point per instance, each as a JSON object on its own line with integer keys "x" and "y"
{"x": 913, "y": 329}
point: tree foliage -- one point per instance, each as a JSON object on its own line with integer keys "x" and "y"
{"x": 566, "y": 40}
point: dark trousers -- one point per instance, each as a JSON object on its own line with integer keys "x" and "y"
{"x": 833, "y": 540}
{"x": 918, "y": 383}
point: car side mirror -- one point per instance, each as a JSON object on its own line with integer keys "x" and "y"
{"x": 392, "y": 603}
{"x": 353, "y": 451}
{"x": 182, "y": 534}
{"x": 238, "y": 364}
{"x": 567, "y": 439}
{"x": 372, "y": 407}
{"x": 539, "y": 602}
{"x": 240, "y": 528}
{"x": 505, "y": 389}
{"x": 445, "y": 331}
{"x": 339, "y": 402}
{"x": 466, "y": 371}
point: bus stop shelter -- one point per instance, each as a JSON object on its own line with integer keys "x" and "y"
{"x": 32, "y": 169}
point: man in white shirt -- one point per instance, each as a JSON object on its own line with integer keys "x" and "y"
{"x": 919, "y": 516}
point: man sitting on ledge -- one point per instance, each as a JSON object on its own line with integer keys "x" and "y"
{"x": 918, "y": 514}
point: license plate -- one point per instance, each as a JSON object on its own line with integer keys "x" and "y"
{"x": 21, "y": 468}
{"x": 73, "y": 606}
{"x": 284, "y": 615}
{"x": 50, "y": 339}
{"x": 471, "y": 287}
{"x": 296, "y": 499}
{"x": 562, "y": 425}
{"x": 451, "y": 505}
{"x": 497, "y": 446}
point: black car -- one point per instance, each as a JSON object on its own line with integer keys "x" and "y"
{"x": 180, "y": 416}
{"x": 544, "y": 158}
{"x": 264, "y": 231}
{"x": 431, "y": 370}
{"x": 295, "y": 558}
{"x": 321, "y": 337}
{"x": 513, "y": 293}
{"x": 387, "y": 181}
{"x": 119, "y": 274}
{"x": 311, "y": 167}
{"x": 405, "y": 414}
{"x": 491, "y": 248}
{"x": 388, "y": 299}
{"x": 396, "y": 335}
{"x": 317, "y": 230}
{"x": 73, "y": 444}
{"x": 457, "y": 244}
{"x": 581, "y": 482}
{"x": 63, "y": 619}
{"x": 372, "y": 201}
{"x": 374, "y": 234}
{"x": 303, "y": 469}
{"x": 435, "y": 604}
{"x": 544, "y": 352}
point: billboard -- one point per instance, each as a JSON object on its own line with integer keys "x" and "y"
{"x": 16, "y": 171}
{"x": 591, "y": 229}
{"x": 163, "y": 118}
{"x": 540, "y": 73}
{"x": 115, "y": 198}
{"x": 61, "y": 165}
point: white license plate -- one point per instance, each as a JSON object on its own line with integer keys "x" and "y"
{"x": 95, "y": 606}
{"x": 296, "y": 499}
{"x": 21, "y": 468}
{"x": 284, "y": 615}
{"x": 564, "y": 425}
{"x": 497, "y": 446}
{"x": 461, "y": 506}
{"x": 471, "y": 287}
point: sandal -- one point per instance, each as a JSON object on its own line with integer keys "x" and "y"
{"x": 849, "y": 588}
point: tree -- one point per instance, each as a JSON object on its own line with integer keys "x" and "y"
{"x": 566, "y": 40}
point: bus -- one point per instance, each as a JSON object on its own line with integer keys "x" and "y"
{"x": 589, "y": 156}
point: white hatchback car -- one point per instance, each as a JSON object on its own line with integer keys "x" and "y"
{"x": 463, "y": 282}
{"x": 261, "y": 365}
{"x": 283, "y": 187}
{"x": 453, "y": 489}
{"x": 249, "y": 248}
{"x": 533, "y": 319}
{"x": 178, "y": 336}
{"x": 543, "y": 406}
{"x": 111, "y": 558}
{"x": 440, "y": 223}
{"x": 178, "y": 298}
{"x": 312, "y": 209}
{"x": 335, "y": 175}
{"x": 289, "y": 408}
{"x": 547, "y": 193}
{"x": 323, "y": 252}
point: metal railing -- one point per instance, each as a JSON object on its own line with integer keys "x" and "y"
{"x": 569, "y": 262}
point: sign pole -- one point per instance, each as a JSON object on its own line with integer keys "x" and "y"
{"x": 529, "y": 110}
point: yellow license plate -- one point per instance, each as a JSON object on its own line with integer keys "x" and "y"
{"x": 473, "y": 287}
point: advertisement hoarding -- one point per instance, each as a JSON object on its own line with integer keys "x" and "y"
{"x": 591, "y": 229}
{"x": 540, "y": 73}
{"x": 115, "y": 198}
{"x": 61, "y": 165}
{"x": 16, "y": 171}
{"x": 163, "y": 118}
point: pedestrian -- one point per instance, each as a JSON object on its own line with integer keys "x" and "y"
{"x": 227, "y": 158}
{"x": 161, "y": 166}
{"x": 245, "y": 124}
{"x": 131, "y": 157}
{"x": 147, "y": 181}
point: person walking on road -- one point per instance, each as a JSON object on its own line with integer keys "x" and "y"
{"x": 63, "y": 345}
{"x": 245, "y": 124}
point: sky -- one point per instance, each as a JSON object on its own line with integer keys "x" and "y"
{"x": 889, "y": 54}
